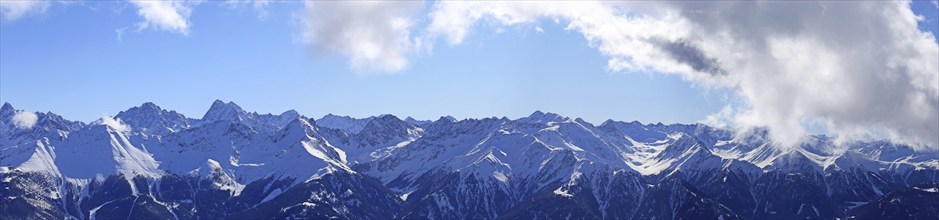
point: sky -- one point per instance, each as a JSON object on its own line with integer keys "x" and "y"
{"x": 844, "y": 68}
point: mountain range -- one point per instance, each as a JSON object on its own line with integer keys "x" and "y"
{"x": 152, "y": 163}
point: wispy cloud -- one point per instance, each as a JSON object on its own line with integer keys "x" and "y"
{"x": 14, "y": 10}
{"x": 120, "y": 33}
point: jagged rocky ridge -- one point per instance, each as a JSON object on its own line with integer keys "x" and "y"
{"x": 242, "y": 165}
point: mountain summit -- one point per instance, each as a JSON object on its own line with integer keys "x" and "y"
{"x": 224, "y": 111}
{"x": 150, "y": 118}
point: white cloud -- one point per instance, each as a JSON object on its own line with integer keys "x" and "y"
{"x": 372, "y": 35}
{"x": 13, "y": 10}
{"x": 634, "y": 43}
{"x": 25, "y": 119}
{"x": 862, "y": 68}
{"x": 538, "y": 29}
{"x": 859, "y": 67}
{"x": 120, "y": 33}
{"x": 163, "y": 15}
{"x": 115, "y": 124}
{"x": 170, "y": 16}
{"x": 258, "y": 5}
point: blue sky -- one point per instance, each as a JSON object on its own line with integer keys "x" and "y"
{"x": 70, "y": 61}
{"x": 591, "y": 60}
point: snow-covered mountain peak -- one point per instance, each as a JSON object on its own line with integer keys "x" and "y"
{"x": 388, "y": 117}
{"x": 299, "y": 126}
{"x": 416, "y": 122}
{"x": 886, "y": 151}
{"x": 384, "y": 131}
{"x": 386, "y": 121}
{"x": 49, "y": 123}
{"x": 345, "y": 123}
{"x": 290, "y": 114}
{"x": 635, "y": 130}
{"x": 7, "y": 108}
{"x": 682, "y": 141}
{"x": 542, "y": 117}
{"x": 443, "y": 121}
{"x": 799, "y": 161}
{"x": 6, "y": 117}
{"x": 583, "y": 122}
{"x": 147, "y": 108}
{"x": 300, "y": 151}
{"x": 151, "y": 106}
{"x": 224, "y": 111}
{"x": 448, "y": 118}
{"x": 230, "y": 111}
{"x": 149, "y": 118}
{"x": 850, "y": 160}
{"x": 536, "y": 114}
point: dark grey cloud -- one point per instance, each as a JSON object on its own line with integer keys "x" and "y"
{"x": 687, "y": 53}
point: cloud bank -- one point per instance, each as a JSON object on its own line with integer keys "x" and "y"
{"x": 24, "y": 119}
{"x": 861, "y": 69}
